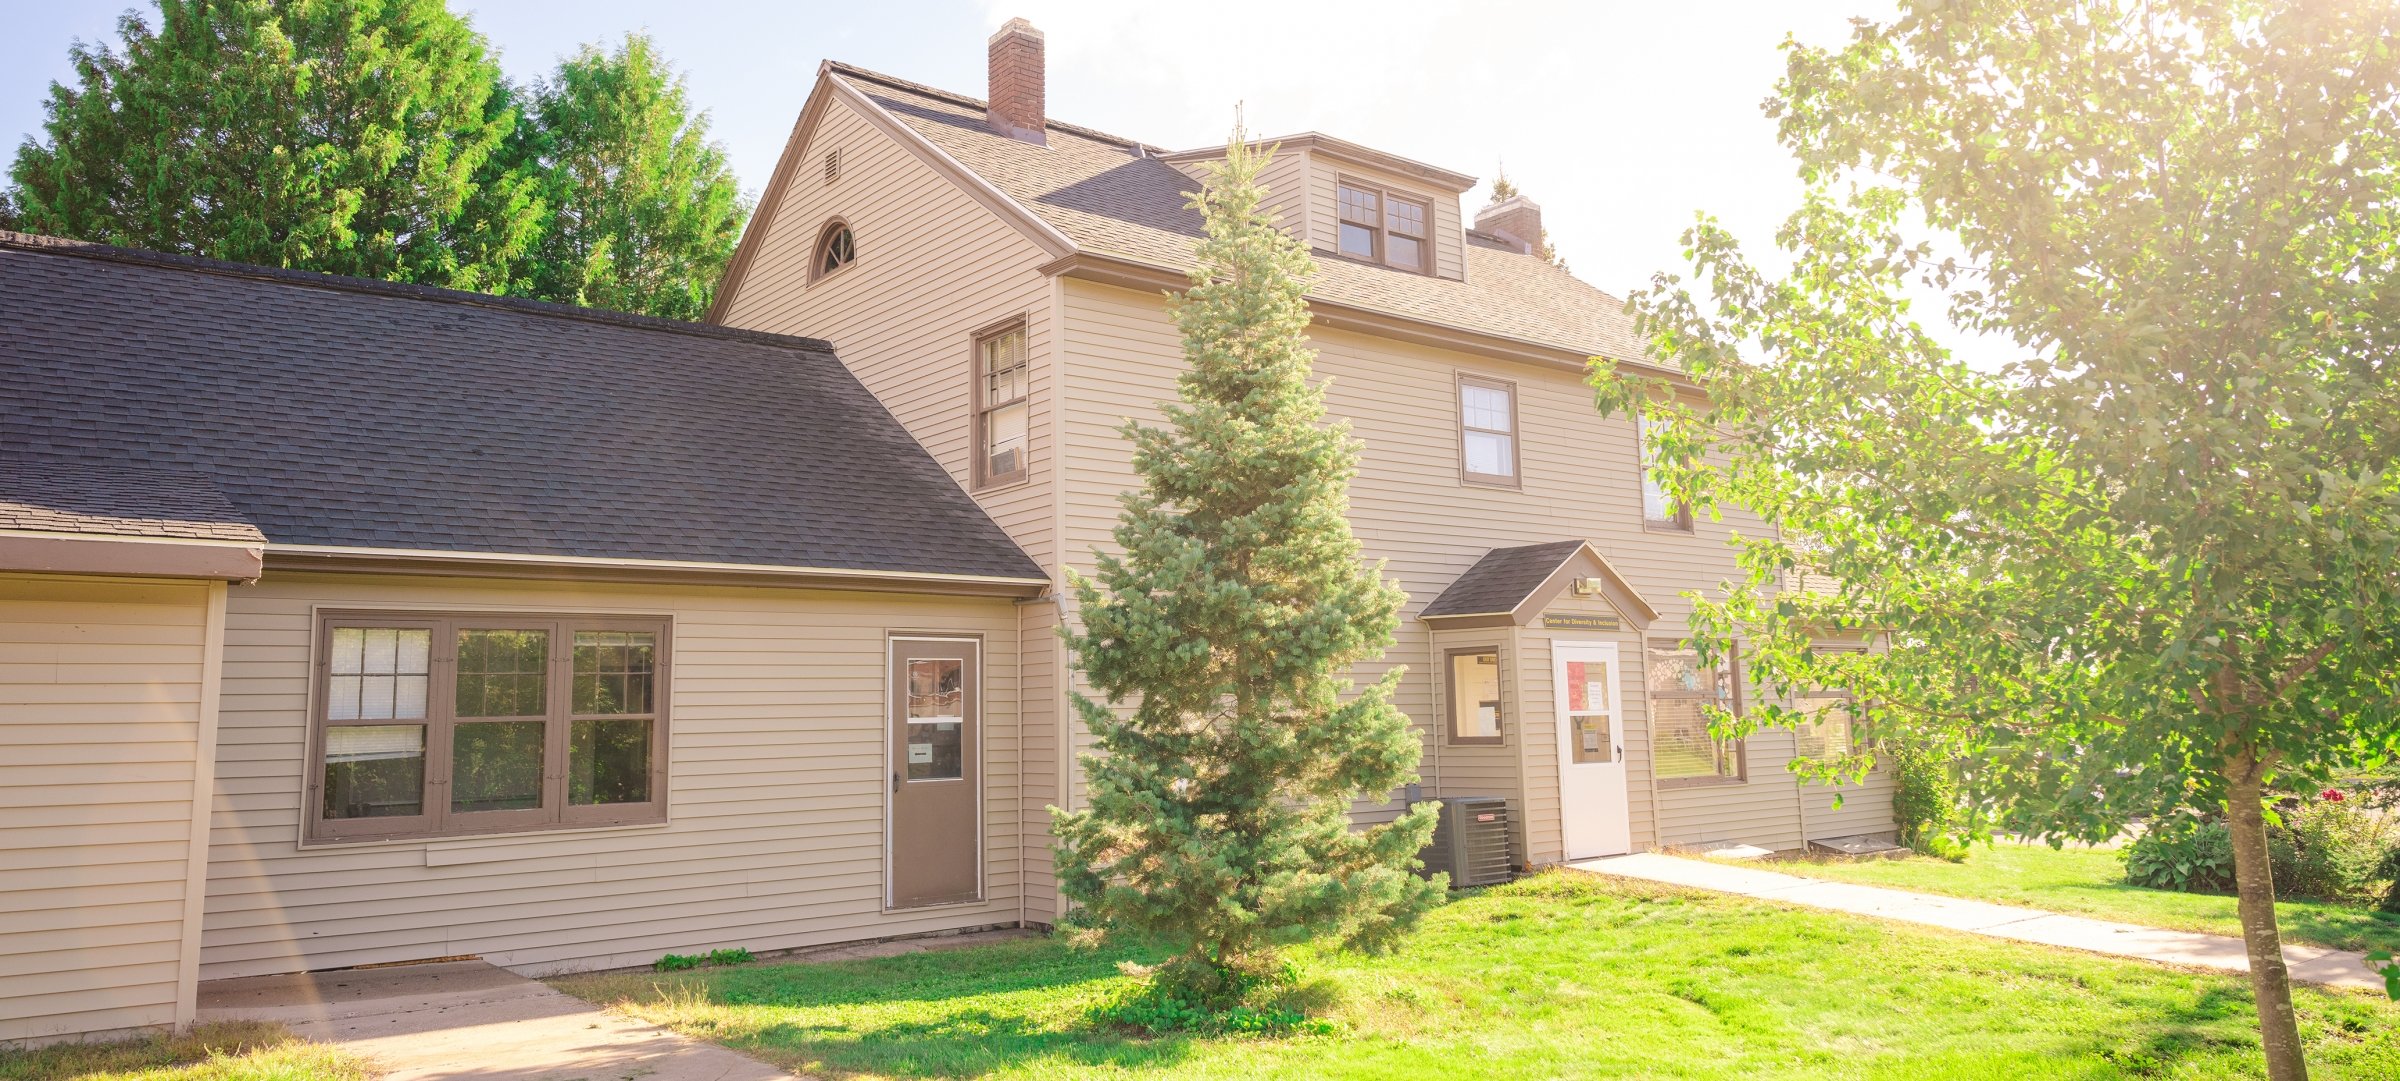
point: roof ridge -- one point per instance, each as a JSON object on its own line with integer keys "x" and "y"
{"x": 84, "y": 249}
{"x": 956, "y": 98}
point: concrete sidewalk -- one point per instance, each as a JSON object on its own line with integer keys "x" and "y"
{"x": 2309, "y": 964}
{"x": 470, "y": 1021}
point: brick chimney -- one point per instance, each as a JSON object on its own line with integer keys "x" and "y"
{"x": 1017, "y": 92}
{"x": 1517, "y": 218}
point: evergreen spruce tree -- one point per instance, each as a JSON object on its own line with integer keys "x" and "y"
{"x": 1218, "y": 804}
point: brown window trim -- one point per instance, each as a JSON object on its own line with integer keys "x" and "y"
{"x": 1516, "y": 432}
{"x": 440, "y": 720}
{"x": 1641, "y": 478}
{"x": 979, "y": 469}
{"x": 816, "y": 252}
{"x": 1450, "y": 736}
{"x": 1383, "y": 199}
{"x": 1741, "y": 747}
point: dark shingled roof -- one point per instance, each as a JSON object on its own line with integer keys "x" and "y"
{"x": 49, "y": 495}
{"x": 1501, "y": 580}
{"x": 334, "y": 411}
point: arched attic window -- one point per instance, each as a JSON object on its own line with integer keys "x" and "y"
{"x": 835, "y": 249}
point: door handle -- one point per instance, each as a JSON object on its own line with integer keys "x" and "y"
{"x": 895, "y": 780}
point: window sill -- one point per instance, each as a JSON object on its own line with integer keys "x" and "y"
{"x": 457, "y": 846}
{"x": 1666, "y": 527}
{"x": 1509, "y": 485}
{"x": 1701, "y": 782}
{"x": 1375, "y": 263}
{"x": 1004, "y": 484}
{"x": 1496, "y": 741}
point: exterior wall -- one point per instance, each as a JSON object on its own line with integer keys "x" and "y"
{"x": 1580, "y": 477}
{"x": 934, "y": 266}
{"x": 1324, "y": 212}
{"x": 105, "y": 724}
{"x": 776, "y": 781}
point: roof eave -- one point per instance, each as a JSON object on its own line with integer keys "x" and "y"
{"x": 129, "y": 556}
{"x": 305, "y": 557}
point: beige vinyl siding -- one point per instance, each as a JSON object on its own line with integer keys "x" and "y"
{"x": 1448, "y": 232}
{"x": 1408, "y": 507}
{"x": 934, "y": 266}
{"x": 776, "y": 782}
{"x": 1545, "y": 838}
{"x": 103, "y": 717}
{"x": 1477, "y": 769}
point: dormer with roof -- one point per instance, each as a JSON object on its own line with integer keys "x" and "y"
{"x": 997, "y": 277}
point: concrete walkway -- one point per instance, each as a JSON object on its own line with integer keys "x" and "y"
{"x": 2309, "y": 964}
{"x": 469, "y": 1021}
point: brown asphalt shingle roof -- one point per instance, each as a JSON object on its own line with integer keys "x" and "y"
{"x": 339, "y": 412}
{"x": 56, "y": 496}
{"x": 1092, "y": 188}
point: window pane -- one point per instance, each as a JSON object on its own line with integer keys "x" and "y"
{"x": 1591, "y": 737}
{"x": 1656, "y": 506}
{"x": 503, "y": 673}
{"x": 378, "y": 673}
{"x": 1358, "y": 241}
{"x": 374, "y": 771}
{"x": 1405, "y": 218}
{"x": 608, "y": 762}
{"x": 1491, "y": 455}
{"x": 935, "y": 749}
{"x": 1404, "y": 252}
{"x": 614, "y": 671}
{"x": 936, "y": 688}
{"x": 1587, "y": 686}
{"x": 1676, "y": 671}
{"x": 1357, "y": 206}
{"x": 1004, "y": 436}
{"x": 1475, "y": 699}
{"x": 1679, "y": 733}
{"x": 1484, "y": 407}
{"x": 1828, "y": 732}
{"x": 496, "y": 766}
{"x": 1004, "y": 368}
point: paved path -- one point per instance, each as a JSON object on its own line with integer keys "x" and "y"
{"x": 469, "y": 1021}
{"x": 2309, "y": 964}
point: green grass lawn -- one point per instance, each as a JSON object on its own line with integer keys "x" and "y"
{"x": 232, "y": 1051}
{"x": 1562, "y": 975}
{"x": 2091, "y": 882}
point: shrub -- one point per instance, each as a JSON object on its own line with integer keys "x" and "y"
{"x": 2331, "y": 850}
{"x": 1192, "y": 997}
{"x": 1925, "y": 802}
{"x": 2184, "y": 852}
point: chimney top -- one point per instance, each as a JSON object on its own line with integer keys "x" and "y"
{"x": 1516, "y": 218}
{"x": 1015, "y": 104}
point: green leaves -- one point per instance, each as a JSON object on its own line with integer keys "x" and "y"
{"x": 1217, "y": 638}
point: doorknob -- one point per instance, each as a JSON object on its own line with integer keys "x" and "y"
{"x": 895, "y": 780}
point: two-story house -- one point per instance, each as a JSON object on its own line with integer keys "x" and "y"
{"x": 998, "y": 277}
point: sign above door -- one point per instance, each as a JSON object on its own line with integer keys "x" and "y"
{"x": 1578, "y": 621}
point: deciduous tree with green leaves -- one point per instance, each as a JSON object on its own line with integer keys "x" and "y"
{"x": 348, "y": 136}
{"x": 641, "y": 211}
{"x": 1219, "y": 799}
{"x": 2156, "y": 562}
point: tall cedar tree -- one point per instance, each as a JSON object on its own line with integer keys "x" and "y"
{"x": 641, "y": 211}
{"x": 2155, "y": 564}
{"x": 1219, "y": 800}
{"x": 347, "y": 136}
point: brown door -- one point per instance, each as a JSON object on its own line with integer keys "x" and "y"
{"x": 935, "y": 849}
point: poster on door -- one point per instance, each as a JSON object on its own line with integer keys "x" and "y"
{"x": 1587, "y": 686}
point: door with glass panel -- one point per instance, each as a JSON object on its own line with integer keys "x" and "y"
{"x": 935, "y": 836}
{"x": 1591, "y": 750}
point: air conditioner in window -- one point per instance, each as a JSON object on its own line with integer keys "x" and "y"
{"x": 1472, "y": 841}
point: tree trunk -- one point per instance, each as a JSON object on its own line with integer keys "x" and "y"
{"x": 2254, "y": 885}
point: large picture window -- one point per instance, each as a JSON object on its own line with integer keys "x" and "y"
{"x": 1680, "y": 688}
{"x": 443, "y": 725}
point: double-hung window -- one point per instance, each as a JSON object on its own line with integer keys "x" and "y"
{"x": 1003, "y": 407}
{"x": 1659, "y": 510}
{"x": 1383, "y": 227}
{"x": 1680, "y": 690}
{"x": 449, "y": 724}
{"x": 1487, "y": 431}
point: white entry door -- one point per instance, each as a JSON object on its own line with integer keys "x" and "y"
{"x": 1591, "y": 749}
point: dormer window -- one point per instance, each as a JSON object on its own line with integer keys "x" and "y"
{"x": 1384, "y": 227}
{"x": 835, "y": 249}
